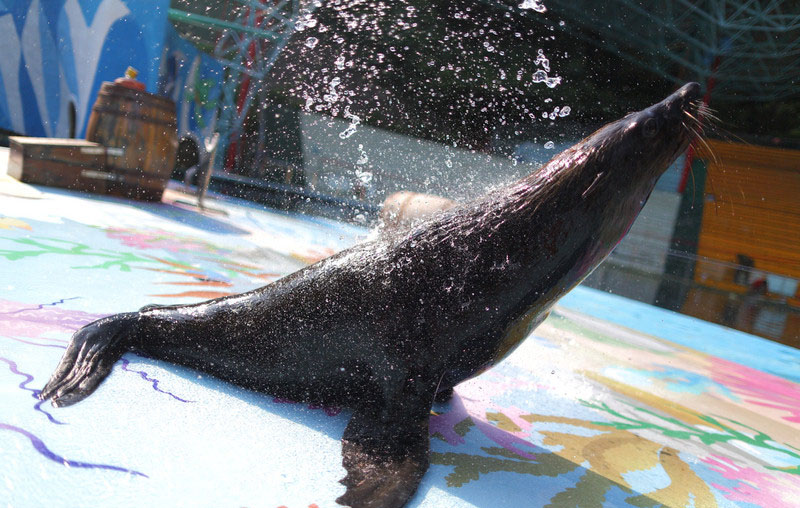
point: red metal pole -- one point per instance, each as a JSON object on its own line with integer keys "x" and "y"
{"x": 233, "y": 146}
{"x": 687, "y": 166}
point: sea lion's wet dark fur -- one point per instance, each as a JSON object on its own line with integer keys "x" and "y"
{"x": 385, "y": 325}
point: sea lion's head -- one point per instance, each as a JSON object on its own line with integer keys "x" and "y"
{"x": 639, "y": 147}
{"x": 600, "y": 185}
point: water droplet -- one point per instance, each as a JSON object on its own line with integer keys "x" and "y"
{"x": 549, "y": 145}
{"x": 542, "y": 60}
{"x": 311, "y": 42}
{"x": 541, "y": 76}
{"x": 536, "y": 5}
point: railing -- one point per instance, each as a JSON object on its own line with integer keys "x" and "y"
{"x": 741, "y": 299}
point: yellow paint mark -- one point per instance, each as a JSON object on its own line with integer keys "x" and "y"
{"x": 10, "y": 222}
{"x": 503, "y": 422}
{"x": 684, "y": 486}
{"x": 674, "y": 409}
{"x": 616, "y": 452}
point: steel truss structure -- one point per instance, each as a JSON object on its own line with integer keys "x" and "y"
{"x": 246, "y": 36}
{"x": 749, "y": 48}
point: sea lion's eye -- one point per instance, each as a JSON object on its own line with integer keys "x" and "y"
{"x": 650, "y": 128}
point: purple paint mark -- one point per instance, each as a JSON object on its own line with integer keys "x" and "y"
{"x": 23, "y": 320}
{"x": 59, "y": 346}
{"x": 34, "y": 393}
{"x": 41, "y": 306}
{"x": 458, "y": 411}
{"x": 44, "y": 450}
{"x": 144, "y": 375}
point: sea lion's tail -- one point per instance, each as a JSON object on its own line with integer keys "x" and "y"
{"x": 89, "y": 358}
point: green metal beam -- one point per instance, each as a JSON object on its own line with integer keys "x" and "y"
{"x": 191, "y": 18}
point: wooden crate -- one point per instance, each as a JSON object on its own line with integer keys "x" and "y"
{"x": 76, "y": 164}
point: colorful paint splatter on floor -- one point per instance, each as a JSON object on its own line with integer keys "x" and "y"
{"x": 609, "y": 403}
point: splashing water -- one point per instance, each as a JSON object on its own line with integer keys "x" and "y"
{"x": 541, "y": 76}
{"x": 364, "y": 176}
{"x": 557, "y": 112}
{"x": 354, "y": 122}
{"x": 362, "y": 158}
{"x": 542, "y": 60}
{"x": 536, "y": 5}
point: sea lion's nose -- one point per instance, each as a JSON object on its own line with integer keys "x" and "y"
{"x": 682, "y": 99}
{"x": 690, "y": 91}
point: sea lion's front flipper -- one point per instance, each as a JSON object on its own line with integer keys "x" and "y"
{"x": 385, "y": 457}
{"x": 89, "y": 358}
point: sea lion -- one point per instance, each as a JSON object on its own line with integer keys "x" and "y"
{"x": 384, "y": 326}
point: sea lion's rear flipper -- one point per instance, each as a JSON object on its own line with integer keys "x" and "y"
{"x": 385, "y": 458}
{"x": 89, "y": 358}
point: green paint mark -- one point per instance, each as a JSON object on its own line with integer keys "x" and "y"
{"x": 45, "y": 245}
{"x": 563, "y": 323}
{"x": 758, "y": 439}
{"x": 468, "y": 467}
{"x": 462, "y": 427}
{"x": 589, "y": 492}
{"x": 503, "y": 452}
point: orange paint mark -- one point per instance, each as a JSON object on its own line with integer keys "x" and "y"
{"x": 312, "y": 256}
{"x": 172, "y": 263}
{"x": 196, "y": 294}
{"x": 10, "y": 222}
{"x": 266, "y": 276}
{"x": 251, "y": 274}
{"x": 225, "y": 262}
{"x": 212, "y": 283}
{"x": 173, "y": 272}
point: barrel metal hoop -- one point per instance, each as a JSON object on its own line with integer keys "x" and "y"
{"x": 137, "y": 116}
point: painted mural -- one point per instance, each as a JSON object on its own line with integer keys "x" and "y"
{"x": 57, "y": 53}
{"x": 193, "y": 80}
{"x": 588, "y": 412}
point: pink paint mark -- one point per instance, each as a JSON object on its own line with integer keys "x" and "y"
{"x": 162, "y": 240}
{"x": 23, "y": 341}
{"x": 761, "y": 489}
{"x": 473, "y": 400}
{"x": 19, "y": 319}
{"x": 758, "y": 388}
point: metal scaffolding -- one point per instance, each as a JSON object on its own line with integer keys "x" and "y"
{"x": 246, "y": 36}
{"x": 749, "y": 48}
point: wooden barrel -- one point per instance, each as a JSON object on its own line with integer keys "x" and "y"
{"x": 141, "y": 133}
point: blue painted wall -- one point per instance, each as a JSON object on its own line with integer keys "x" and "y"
{"x": 57, "y": 53}
{"x": 193, "y": 80}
